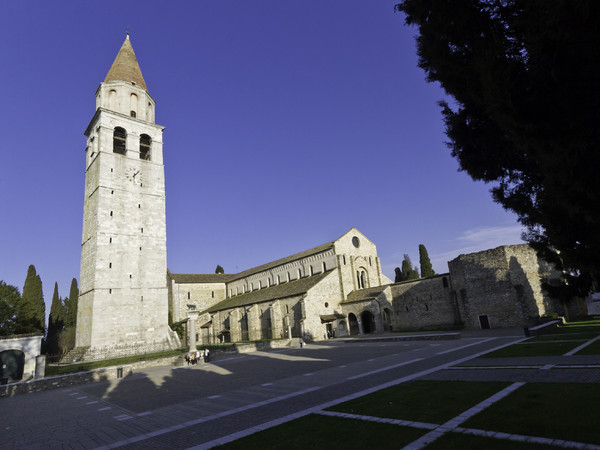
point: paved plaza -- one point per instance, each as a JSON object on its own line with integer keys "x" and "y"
{"x": 237, "y": 394}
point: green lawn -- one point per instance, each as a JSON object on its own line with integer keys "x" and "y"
{"x": 567, "y": 411}
{"x": 539, "y": 348}
{"x": 470, "y": 442}
{"x": 322, "y": 432}
{"x": 422, "y": 401}
{"x": 560, "y": 341}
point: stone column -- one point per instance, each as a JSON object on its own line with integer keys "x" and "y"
{"x": 192, "y": 316}
{"x": 276, "y": 320}
{"x": 235, "y": 329}
{"x": 254, "y": 323}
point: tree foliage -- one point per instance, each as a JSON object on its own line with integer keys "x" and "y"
{"x": 524, "y": 116}
{"x": 219, "y": 269}
{"x": 408, "y": 271}
{"x": 9, "y": 299}
{"x": 31, "y": 310}
{"x": 56, "y": 322}
{"x": 399, "y": 276}
{"x": 425, "y": 263}
{"x": 71, "y": 305}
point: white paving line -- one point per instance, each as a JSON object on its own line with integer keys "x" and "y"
{"x": 190, "y": 423}
{"x": 145, "y": 413}
{"x": 266, "y": 384}
{"x": 472, "y": 431}
{"x": 92, "y": 403}
{"x": 453, "y": 423}
{"x": 384, "y": 369}
{"x": 308, "y": 374}
{"x": 525, "y": 438}
{"x": 81, "y": 398}
{"x": 407, "y": 423}
{"x": 575, "y": 350}
{"x": 214, "y": 396}
{"x": 279, "y": 421}
{"x": 106, "y": 408}
{"x": 466, "y": 346}
{"x": 122, "y": 417}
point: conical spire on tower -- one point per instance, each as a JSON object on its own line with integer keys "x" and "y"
{"x": 125, "y": 66}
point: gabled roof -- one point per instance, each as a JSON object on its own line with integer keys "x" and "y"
{"x": 201, "y": 277}
{"x": 365, "y": 294}
{"x": 125, "y": 66}
{"x": 283, "y": 290}
{"x": 279, "y": 262}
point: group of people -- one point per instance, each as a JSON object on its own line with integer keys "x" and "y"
{"x": 197, "y": 356}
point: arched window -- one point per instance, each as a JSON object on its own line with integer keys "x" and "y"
{"x": 112, "y": 99}
{"x": 133, "y": 105}
{"x": 145, "y": 144}
{"x": 299, "y": 273}
{"x": 312, "y": 271}
{"x": 119, "y": 140}
{"x": 324, "y": 267}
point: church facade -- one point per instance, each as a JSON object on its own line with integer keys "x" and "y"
{"x": 334, "y": 289}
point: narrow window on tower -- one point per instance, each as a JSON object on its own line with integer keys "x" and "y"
{"x": 145, "y": 144}
{"x": 188, "y": 295}
{"x": 142, "y": 230}
{"x": 111, "y": 214}
{"x": 119, "y": 139}
{"x": 133, "y": 105}
{"x": 110, "y": 240}
{"x": 110, "y": 265}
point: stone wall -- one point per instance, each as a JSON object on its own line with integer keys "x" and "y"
{"x": 501, "y": 287}
{"x": 424, "y": 304}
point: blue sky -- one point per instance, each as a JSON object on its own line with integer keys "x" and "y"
{"x": 287, "y": 123}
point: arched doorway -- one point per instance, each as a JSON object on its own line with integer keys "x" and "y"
{"x": 386, "y": 315}
{"x": 368, "y": 322}
{"x": 353, "y": 323}
{"x": 12, "y": 363}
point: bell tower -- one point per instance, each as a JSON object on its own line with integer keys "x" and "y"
{"x": 123, "y": 304}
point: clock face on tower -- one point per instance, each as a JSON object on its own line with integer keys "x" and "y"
{"x": 134, "y": 175}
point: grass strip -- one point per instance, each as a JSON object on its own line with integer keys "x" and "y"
{"x": 422, "y": 400}
{"x": 554, "y": 410}
{"x": 470, "y": 442}
{"x": 316, "y": 431}
{"x": 539, "y": 348}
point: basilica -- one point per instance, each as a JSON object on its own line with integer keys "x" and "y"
{"x": 128, "y": 298}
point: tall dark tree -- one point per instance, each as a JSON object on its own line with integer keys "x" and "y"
{"x": 523, "y": 75}
{"x": 56, "y": 321}
{"x": 399, "y": 276}
{"x": 31, "y": 310}
{"x": 219, "y": 269}
{"x": 425, "y": 263}
{"x": 10, "y": 297}
{"x": 71, "y": 305}
{"x": 408, "y": 271}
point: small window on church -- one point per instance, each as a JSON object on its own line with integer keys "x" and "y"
{"x": 119, "y": 140}
{"x": 132, "y": 113}
{"x": 145, "y": 144}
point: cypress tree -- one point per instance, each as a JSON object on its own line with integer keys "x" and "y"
{"x": 408, "y": 272}
{"x": 56, "y": 322}
{"x": 71, "y": 305}
{"x": 31, "y": 311}
{"x": 219, "y": 269}
{"x": 399, "y": 277}
{"x": 9, "y": 299}
{"x": 426, "y": 269}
